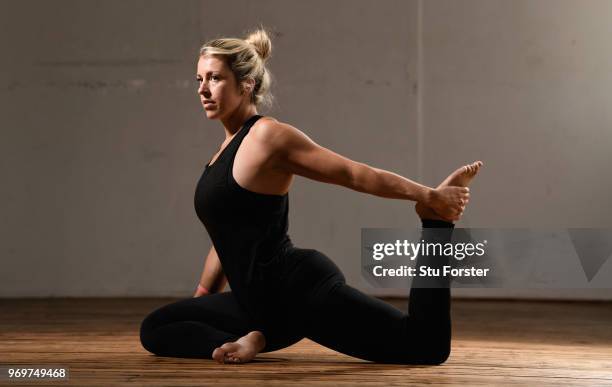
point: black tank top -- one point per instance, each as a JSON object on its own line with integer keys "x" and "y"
{"x": 248, "y": 229}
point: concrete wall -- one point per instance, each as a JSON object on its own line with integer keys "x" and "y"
{"x": 104, "y": 137}
{"x": 526, "y": 86}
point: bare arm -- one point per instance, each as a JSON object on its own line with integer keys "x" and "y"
{"x": 213, "y": 278}
{"x": 294, "y": 152}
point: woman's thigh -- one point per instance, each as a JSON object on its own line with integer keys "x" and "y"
{"x": 194, "y": 327}
{"x": 219, "y": 310}
{"x": 309, "y": 273}
{"x": 349, "y": 321}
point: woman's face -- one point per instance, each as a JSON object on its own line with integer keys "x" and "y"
{"x": 218, "y": 89}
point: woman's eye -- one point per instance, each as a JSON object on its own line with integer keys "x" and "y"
{"x": 213, "y": 77}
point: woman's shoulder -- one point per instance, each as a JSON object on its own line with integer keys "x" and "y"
{"x": 267, "y": 128}
{"x": 267, "y": 122}
{"x": 273, "y": 134}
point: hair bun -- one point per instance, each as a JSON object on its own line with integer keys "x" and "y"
{"x": 261, "y": 41}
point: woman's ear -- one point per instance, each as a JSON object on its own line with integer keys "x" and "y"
{"x": 248, "y": 86}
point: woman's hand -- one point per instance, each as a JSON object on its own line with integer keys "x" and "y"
{"x": 449, "y": 202}
{"x": 201, "y": 291}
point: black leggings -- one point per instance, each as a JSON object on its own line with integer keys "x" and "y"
{"x": 316, "y": 303}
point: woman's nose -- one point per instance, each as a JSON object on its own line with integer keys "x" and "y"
{"x": 203, "y": 88}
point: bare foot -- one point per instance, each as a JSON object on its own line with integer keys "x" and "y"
{"x": 460, "y": 178}
{"x": 242, "y": 350}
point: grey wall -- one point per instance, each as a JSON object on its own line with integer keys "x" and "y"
{"x": 526, "y": 86}
{"x": 104, "y": 137}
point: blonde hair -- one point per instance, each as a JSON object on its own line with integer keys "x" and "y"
{"x": 246, "y": 58}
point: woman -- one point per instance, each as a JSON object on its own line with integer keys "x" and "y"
{"x": 281, "y": 293}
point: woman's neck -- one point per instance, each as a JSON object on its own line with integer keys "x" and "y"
{"x": 234, "y": 122}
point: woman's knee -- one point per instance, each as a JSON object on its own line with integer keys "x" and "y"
{"x": 429, "y": 356}
{"x": 429, "y": 347}
{"x": 439, "y": 344}
{"x": 439, "y": 354}
{"x": 147, "y": 336}
{"x": 437, "y": 351}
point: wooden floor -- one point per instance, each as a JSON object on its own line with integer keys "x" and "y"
{"x": 494, "y": 343}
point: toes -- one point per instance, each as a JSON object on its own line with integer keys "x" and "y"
{"x": 226, "y": 351}
{"x": 218, "y": 355}
{"x": 229, "y": 347}
{"x": 232, "y": 359}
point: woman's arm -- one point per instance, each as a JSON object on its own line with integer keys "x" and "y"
{"x": 294, "y": 152}
{"x": 213, "y": 278}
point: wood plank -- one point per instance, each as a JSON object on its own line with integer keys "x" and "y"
{"x": 494, "y": 342}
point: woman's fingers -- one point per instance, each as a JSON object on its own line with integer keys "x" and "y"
{"x": 453, "y": 201}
